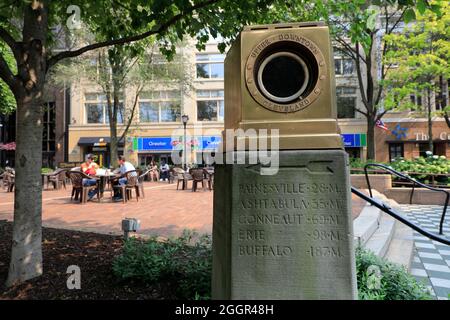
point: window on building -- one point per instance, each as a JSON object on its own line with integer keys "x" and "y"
{"x": 423, "y": 148}
{"x": 416, "y": 99}
{"x": 346, "y": 102}
{"x": 210, "y": 105}
{"x": 160, "y": 106}
{"x": 210, "y": 66}
{"x": 343, "y": 64}
{"x": 395, "y": 151}
{"x": 97, "y": 109}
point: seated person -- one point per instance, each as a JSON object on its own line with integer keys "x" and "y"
{"x": 89, "y": 167}
{"x": 164, "y": 171}
{"x": 154, "y": 172}
{"x": 125, "y": 166}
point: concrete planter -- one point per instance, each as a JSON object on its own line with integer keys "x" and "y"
{"x": 379, "y": 182}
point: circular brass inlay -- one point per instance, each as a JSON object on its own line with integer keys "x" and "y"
{"x": 298, "y": 98}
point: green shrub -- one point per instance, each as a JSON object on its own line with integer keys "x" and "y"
{"x": 46, "y": 170}
{"x": 422, "y": 167}
{"x": 182, "y": 265}
{"x": 395, "y": 283}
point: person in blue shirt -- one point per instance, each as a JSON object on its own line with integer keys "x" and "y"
{"x": 125, "y": 166}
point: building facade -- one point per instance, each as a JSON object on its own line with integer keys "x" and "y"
{"x": 54, "y": 130}
{"x": 157, "y": 128}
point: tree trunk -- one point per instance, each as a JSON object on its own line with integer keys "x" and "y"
{"x": 113, "y": 144}
{"x": 430, "y": 122}
{"x": 26, "y": 254}
{"x": 113, "y": 126}
{"x": 370, "y": 138}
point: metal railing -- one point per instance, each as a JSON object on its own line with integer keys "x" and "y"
{"x": 414, "y": 183}
{"x": 382, "y": 206}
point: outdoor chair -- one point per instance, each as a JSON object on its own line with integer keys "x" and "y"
{"x": 140, "y": 184}
{"x": 197, "y": 177}
{"x": 57, "y": 178}
{"x": 209, "y": 174}
{"x": 78, "y": 190}
{"x": 8, "y": 181}
{"x": 179, "y": 175}
{"x": 132, "y": 183}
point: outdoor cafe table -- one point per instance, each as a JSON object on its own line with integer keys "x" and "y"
{"x": 103, "y": 179}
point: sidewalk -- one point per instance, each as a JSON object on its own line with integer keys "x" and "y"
{"x": 164, "y": 211}
{"x": 431, "y": 262}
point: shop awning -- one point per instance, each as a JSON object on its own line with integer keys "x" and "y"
{"x": 96, "y": 141}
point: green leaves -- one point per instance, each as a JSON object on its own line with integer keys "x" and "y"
{"x": 420, "y": 54}
{"x": 183, "y": 264}
{"x": 7, "y": 100}
{"x": 409, "y": 15}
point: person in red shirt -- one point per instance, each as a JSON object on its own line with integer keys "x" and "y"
{"x": 90, "y": 168}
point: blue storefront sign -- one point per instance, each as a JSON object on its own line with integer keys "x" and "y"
{"x": 210, "y": 142}
{"x": 157, "y": 143}
{"x": 167, "y": 143}
{"x": 354, "y": 140}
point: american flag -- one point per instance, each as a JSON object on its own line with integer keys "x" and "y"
{"x": 380, "y": 124}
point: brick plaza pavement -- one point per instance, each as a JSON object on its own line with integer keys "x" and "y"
{"x": 164, "y": 211}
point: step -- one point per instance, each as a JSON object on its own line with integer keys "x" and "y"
{"x": 379, "y": 242}
{"x": 365, "y": 225}
{"x": 401, "y": 249}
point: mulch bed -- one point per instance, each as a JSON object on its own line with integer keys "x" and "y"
{"x": 92, "y": 252}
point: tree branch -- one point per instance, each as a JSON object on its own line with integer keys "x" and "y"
{"x": 362, "y": 112}
{"x": 69, "y": 54}
{"x": 133, "y": 110}
{"x": 360, "y": 81}
{"x": 380, "y": 115}
{"x": 6, "y": 74}
{"x": 9, "y": 40}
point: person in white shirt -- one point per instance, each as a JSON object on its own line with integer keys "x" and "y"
{"x": 164, "y": 168}
{"x": 125, "y": 166}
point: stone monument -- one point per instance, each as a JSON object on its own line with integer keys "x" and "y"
{"x": 286, "y": 235}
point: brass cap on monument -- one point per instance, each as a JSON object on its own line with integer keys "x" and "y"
{"x": 281, "y": 76}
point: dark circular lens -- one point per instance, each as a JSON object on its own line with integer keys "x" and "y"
{"x": 283, "y": 77}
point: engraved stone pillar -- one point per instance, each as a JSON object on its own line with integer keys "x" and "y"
{"x": 286, "y": 236}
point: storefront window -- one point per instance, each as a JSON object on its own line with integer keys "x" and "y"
{"x": 210, "y": 66}
{"x": 148, "y": 112}
{"x": 210, "y": 105}
{"x": 207, "y": 110}
{"x": 170, "y": 112}
{"x": 94, "y": 113}
{"x": 160, "y": 106}
{"x": 346, "y": 107}
{"x": 120, "y": 114}
{"x": 346, "y": 101}
{"x": 97, "y": 109}
{"x": 343, "y": 65}
{"x": 395, "y": 151}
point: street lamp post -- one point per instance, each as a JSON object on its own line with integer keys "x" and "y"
{"x": 184, "y": 119}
